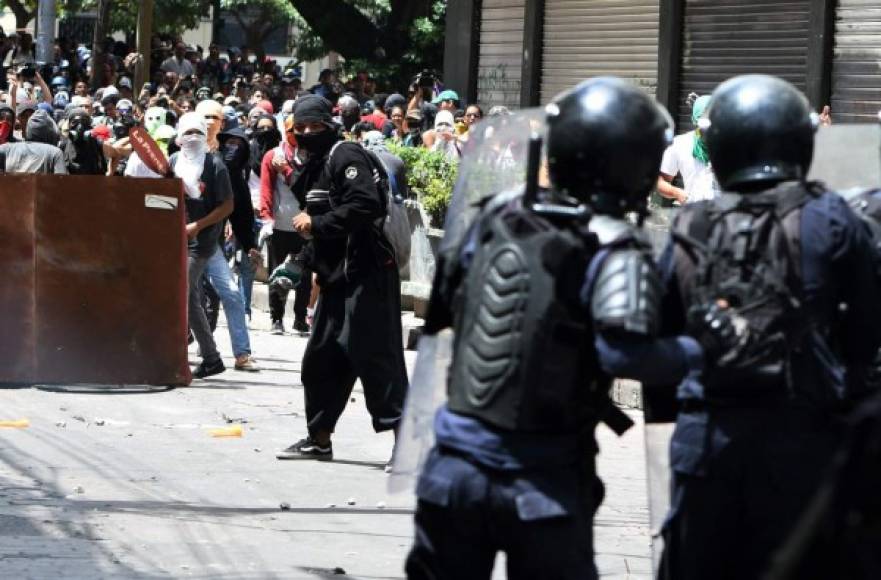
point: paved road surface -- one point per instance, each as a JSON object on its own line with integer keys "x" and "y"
{"x": 131, "y": 485}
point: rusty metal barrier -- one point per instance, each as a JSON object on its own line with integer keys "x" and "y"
{"x": 93, "y": 286}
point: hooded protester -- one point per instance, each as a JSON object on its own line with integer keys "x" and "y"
{"x": 83, "y": 153}
{"x": 279, "y": 167}
{"x": 208, "y": 200}
{"x": 39, "y": 153}
{"x": 356, "y": 333}
{"x": 688, "y": 157}
{"x": 443, "y": 137}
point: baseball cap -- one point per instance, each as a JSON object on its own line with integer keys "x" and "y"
{"x": 447, "y": 95}
{"x": 125, "y": 82}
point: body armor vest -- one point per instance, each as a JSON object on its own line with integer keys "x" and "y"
{"x": 523, "y": 355}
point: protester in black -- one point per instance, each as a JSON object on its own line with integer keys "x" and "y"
{"x": 357, "y": 329}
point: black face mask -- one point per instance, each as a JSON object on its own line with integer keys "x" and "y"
{"x": 235, "y": 154}
{"x": 316, "y": 144}
{"x": 262, "y": 135}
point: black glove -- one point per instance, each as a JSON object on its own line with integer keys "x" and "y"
{"x": 712, "y": 327}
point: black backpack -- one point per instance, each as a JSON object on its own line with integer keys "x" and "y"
{"x": 748, "y": 256}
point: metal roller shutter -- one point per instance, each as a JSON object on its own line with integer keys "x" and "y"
{"x": 585, "y": 38}
{"x": 724, "y": 38}
{"x": 856, "y": 64}
{"x": 501, "y": 52}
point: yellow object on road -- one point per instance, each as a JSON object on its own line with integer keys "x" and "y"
{"x": 18, "y": 424}
{"x": 234, "y": 431}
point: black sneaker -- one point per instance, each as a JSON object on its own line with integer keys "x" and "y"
{"x": 277, "y": 327}
{"x": 301, "y": 327}
{"x": 307, "y": 448}
{"x": 206, "y": 369}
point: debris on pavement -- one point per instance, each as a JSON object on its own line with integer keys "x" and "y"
{"x": 234, "y": 431}
{"x": 351, "y": 501}
{"x": 15, "y": 424}
{"x": 284, "y": 506}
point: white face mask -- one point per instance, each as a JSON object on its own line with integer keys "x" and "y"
{"x": 192, "y": 146}
{"x": 191, "y": 163}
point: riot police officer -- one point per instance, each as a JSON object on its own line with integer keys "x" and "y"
{"x": 776, "y": 278}
{"x": 546, "y": 306}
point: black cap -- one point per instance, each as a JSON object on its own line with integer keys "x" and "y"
{"x": 313, "y": 109}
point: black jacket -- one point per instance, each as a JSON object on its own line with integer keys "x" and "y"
{"x": 242, "y": 217}
{"x": 346, "y": 242}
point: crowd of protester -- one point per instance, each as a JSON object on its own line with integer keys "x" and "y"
{"x": 58, "y": 118}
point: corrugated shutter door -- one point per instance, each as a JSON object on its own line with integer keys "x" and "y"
{"x": 856, "y": 65}
{"x": 586, "y": 38}
{"x": 501, "y": 52}
{"x": 724, "y": 38}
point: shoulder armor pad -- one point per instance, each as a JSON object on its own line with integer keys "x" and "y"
{"x": 627, "y": 294}
{"x": 501, "y": 199}
{"x": 610, "y": 230}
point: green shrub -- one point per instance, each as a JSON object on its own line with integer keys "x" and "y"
{"x": 431, "y": 176}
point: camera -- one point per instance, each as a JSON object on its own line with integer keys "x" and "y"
{"x": 27, "y": 72}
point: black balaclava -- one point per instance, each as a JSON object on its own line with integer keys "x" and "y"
{"x": 315, "y": 109}
{"x": 263, "y": 141}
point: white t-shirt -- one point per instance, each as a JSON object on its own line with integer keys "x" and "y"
{"x": 698, "y": 177}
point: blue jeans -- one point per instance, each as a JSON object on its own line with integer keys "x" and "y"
{"x": 246, "y": 281}
{"x": 246, "y": 272}
{"x": 221, "y": 278}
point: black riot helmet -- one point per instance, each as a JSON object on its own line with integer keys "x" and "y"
{"x": 605, "y": 141}
{"x": 759, "y": 131}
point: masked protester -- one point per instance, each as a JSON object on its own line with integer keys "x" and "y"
{"x": 7, "y": 124}
{"x": 209, "y": 200}
{"x": 233, "y": 152}
{"x": 236, "y": 155}
{"x": 39, "y": 152}
{"x": 688, "y": 157}
{"x": 356, "y": 332}
{"x": 279, "y": 168}
{"x": 83, "y": 152}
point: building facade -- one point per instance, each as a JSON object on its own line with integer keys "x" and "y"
{"x": 521, "y": 53}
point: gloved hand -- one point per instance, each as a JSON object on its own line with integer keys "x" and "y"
{"x": 265, "y": 233}
{"x": 712, "y": 327}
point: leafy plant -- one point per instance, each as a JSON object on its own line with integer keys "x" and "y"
{"x": 432, "y": 176}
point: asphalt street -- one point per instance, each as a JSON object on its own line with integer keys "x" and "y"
{"x": 131, "y": 483}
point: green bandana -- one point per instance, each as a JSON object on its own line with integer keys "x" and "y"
{"x": 699, "y": 150}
